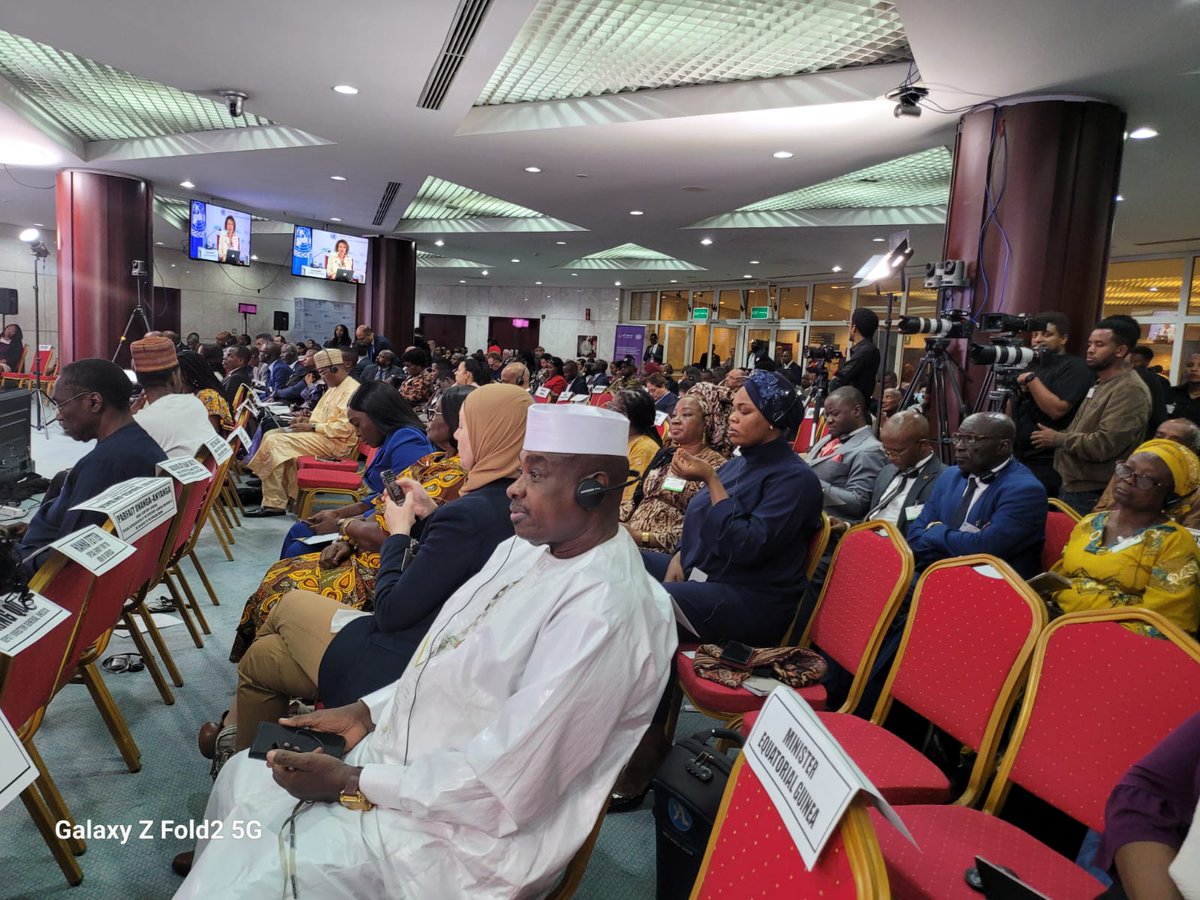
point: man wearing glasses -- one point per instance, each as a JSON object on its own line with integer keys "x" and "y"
{"x": 905, "y": 483}
{"x": 988, "y": 502}
{"x": 91, "y": 401}
{"x": 327, "y": 433}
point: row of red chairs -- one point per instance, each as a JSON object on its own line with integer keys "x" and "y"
{"x": 97, "y": 605}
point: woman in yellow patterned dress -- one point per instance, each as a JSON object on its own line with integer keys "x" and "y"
{"x": 345, "y": 570}
{"x": 1133, "y": 554}
{"x": 200, "y": 380}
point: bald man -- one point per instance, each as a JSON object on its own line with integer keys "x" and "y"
{"x": 988, "y": 502}
{"x": 906, "y": 482}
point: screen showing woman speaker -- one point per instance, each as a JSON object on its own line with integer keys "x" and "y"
{"x": 219, "y": 234}
{"x": 329, "y": 255}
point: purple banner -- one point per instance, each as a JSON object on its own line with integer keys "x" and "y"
{"x": 631, "y": 339}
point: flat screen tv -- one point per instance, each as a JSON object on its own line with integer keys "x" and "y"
{"x": 330, "y": 255}
{"x": 219, "y": 234}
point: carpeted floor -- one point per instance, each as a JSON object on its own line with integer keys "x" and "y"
{"x": 171, "y": 789}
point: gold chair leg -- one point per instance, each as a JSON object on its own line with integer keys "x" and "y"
{"x": 111, "y": 714}
{"x": 212, "y": 595}
{"x": 42, "y": 818}
{"x": 224, "y": 508}
{"x": 237, "y": 501}
{"x": 53, "y": 798}
{"x": 216, "y": 529}
{"x": 148, "y": 658}
{"x": 186, "y": 607}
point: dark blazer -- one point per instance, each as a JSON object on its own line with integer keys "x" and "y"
{"x": 455, "y": 542}
{"x": 653, "y": 352}
{"x": 235, "y": 379}
{"x": 918, "y": 491}
{"x": 666, "y": 403}
{"x": 1010, "y": 518}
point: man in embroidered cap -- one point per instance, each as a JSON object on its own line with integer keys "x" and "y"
{"x": 177, "y": 421}
{"x": 327, "y": 433}
{"x": 482, "y": 769}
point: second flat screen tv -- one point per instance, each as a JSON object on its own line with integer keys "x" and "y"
{"x": 219, "y": 234}
{"x": 329, "y": 255}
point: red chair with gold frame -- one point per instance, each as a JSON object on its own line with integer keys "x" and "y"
{"x": 1059, "y": 526}
{"x": 869, "y": 573}
{"x": 751, "y": 853}
{"x": 27, "y": 685}
{"x": 1100, "y": 696}
{"x": 312, "y": 481}
{"x": 962, "y": 661}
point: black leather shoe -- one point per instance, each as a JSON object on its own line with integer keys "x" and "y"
{"x": 249, "y": 495}
{"x": 254, "y": 482}
{"x": 619, "y": 803}
{"x": 182, "y": 863}
{"x": 262, "y": 512}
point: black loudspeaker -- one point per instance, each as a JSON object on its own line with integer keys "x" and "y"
{"x": 8, "y": 301}
{"x": 281, "y": 319}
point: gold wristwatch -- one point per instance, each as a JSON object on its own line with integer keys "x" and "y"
{"x": 351, "y": 797}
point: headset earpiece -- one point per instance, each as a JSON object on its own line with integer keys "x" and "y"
{"x": 589, "y": 493}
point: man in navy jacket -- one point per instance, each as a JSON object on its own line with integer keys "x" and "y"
{"x": 987, "y": 503}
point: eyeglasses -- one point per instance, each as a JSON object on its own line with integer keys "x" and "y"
{"x": 1124, "y": 472}
{"x": 894, "y": 454}
{"x": 57, "y": 405}
{"x": 971, "y": 440}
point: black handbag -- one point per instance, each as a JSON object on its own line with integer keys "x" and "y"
{"x": 687, "y": 794}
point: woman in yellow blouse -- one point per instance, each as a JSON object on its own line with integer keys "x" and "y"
{"x": 200, "y": 380}
{"x": 638, "y": 407}
{"x": 1133, "y": 554}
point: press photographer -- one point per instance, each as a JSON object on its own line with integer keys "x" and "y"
{"x": 1050, "y": 391}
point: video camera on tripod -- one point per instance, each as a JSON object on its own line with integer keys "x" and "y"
{"x": 819, "y": 356}
{"x": 1006, "y": 354}
{"x": 950, "y": 324}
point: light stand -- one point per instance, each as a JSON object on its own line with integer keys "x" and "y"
{"x": 40, "y": 252}
{"x": 878, "y": 268}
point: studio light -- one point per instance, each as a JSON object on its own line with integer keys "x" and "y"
{"x": 29, "y": 235}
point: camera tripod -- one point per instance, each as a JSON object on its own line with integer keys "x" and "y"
{"x": 998, "y": 393}
{"x": 139, "y": 312}
{"x": 932, "y": 368}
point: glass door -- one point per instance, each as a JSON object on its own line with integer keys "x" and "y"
{"x": 755, "y": 334}
{"x": 677, "y": 346}
{"x": 724, "y": 345}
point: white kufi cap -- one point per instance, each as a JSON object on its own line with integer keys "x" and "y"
{"x": 575, "y": 428}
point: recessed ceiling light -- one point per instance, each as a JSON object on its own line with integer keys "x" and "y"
{"x": 747, "y": 276}
{"x": 706, "y": 241}
{"x": 484, "y": 272}
{"x": 439, "y": 243}
{"x": 172, "y": 265}
{"x": 674, "y": 281}
{"x": 344, "y": 89}
{"x": 636, "y": 212}
{"x": 1119, "y": 198}
{"x": 186, "y": 184}
{"x": 754, "y": 262}
{"x": 532, "y": 170}
{"x": 617, "y": 283}
{"x": 1140, "y": 134}
{"x": 561, "y": 243}
{"x": 878, "y": 240}
{"x": 537, "y": 282}
{"x": 783, "y": 154}
{"x": 514, "y": 259}
{"x": 334, "y": 219}
{"x": 337, "y": 177}
{"x": 462, "y": 281}
{"x": 836, "y": 269}
{"x": 158, "y": 244}
{"x": 254, "y": 256}
{"x": 574, "y": 274}
{"x": 38, "y": 225}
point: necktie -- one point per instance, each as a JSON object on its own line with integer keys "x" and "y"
{"x": 964, "y": 504}
{"x": 898, "y": 484}
{"x": 830, "y": 448}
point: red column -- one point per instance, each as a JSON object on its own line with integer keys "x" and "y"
{"x": 104, "y": 223}
{"x": 388, "y": 300}
{"x": 1054, "y": 167}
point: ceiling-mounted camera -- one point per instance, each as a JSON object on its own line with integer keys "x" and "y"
{"x": 234, "y": 102}
{"x": 908, "y": 99}
{"x": 138, "y": 268}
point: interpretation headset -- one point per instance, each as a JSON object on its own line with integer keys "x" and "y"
{"x": 780, "y": 418}
{"x": 590, "y": 492}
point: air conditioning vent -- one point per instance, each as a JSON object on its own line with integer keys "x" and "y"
{"x": 467, "y": 21}
{"x": 385, "y": 202}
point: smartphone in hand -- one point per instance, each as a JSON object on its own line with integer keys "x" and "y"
{"x": 392, "y": 486}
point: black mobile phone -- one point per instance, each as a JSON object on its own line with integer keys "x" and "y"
{"x": 391, "y": 486}
{"x": 736, "y": 655}
{"x": 273, "y": 736}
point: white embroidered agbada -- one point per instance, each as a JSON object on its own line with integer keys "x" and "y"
{"x": 543, "y": 676}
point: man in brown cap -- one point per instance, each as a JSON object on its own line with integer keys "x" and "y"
{"x": 327, "y": 433}
{"x": 177, "y": 421}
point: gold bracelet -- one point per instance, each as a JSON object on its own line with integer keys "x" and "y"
{"x": 645, "y": 539}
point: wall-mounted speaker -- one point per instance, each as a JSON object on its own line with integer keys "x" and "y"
{"x": 281, "y": 320}
{"x": 8, "y": 301}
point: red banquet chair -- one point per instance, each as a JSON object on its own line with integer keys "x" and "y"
{"x": 751, "y": 853}
{"x": 313, "y": 481}
{"x": 601, "y": 400}
{"x": 961, "y": 662}
{"x": 1059, "y": 526}
{"x": 868, "y": 576}
{"x": 337, "y": 465}
{"x": 1100, "y": 697}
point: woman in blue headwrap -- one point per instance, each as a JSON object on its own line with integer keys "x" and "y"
{"x": 739, "y": 572}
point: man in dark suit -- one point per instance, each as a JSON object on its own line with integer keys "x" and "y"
{"x": 654, "y": 352}
{"x": 384, "y": 368}
{"x": 364, "y": 334}
{"x": 987, "y": 503}
{"x": 906, "y": 482}
{"x": 664, "y": 400}
{"x": 791, "y": 371}
{"x": 236, "y": 360}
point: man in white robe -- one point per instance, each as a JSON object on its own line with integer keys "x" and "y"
{"x": 491, "y": 758}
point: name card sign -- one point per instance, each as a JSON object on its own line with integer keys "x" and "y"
{"x": 600, "y": 389}
{"x": 185, "y": 469}
{"x": 17, "y": 770}
{"x": 240, "y": 434}
{"x": 22, "y": 622}
{"x": 95, "y": 549}
{"x": 542, "y": 392}
{"x": 218, "y": 447}
{"x": 808, "y": 776}
{"x": 565, "y": 397}
{"x": 136, "y": 506}
{"x": 660, "y": 418}
{"x": 579, "y": 398}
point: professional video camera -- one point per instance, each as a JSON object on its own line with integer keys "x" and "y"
{"x": 953, "y": 323}
{"x": 1010, "y": 323}
{"x": 823, "y": 353}
{"x": 1003, "y": 352}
